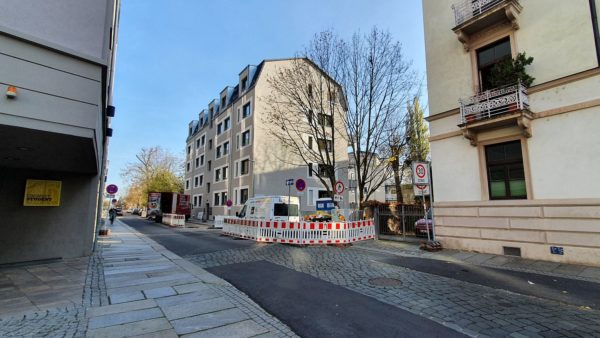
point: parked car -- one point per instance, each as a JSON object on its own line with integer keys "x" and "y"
{"x": 422, "y": 225}
{"x": 136, "y": 211}
{"x": 119, "y": 211}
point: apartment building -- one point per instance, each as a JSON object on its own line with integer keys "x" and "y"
{"x": 56, "y": 74}
{"x": 232, "y": 156}
{"x": 517, "y": 170}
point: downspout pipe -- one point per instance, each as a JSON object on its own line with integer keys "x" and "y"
{"x": 594, "y": 13}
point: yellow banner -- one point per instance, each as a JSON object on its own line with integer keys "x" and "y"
{"x": 42, "y": 193}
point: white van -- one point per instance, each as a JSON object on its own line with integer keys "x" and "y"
{"x": 277, "y": 208}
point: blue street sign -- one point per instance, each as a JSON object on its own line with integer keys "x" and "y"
{"x": 289, "y": 181}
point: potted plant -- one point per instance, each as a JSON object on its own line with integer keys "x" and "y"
{"x": 511, "y": 71}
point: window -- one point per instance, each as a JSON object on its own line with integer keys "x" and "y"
{"x": 225, "y": 169}
{"x": 202, "y": 140}
{"x": 197, "y": 162}
{"x": 217, "y": 175}
{"x": 325, "y": 120}
{"x": 227, "y": 124}
{"x": 187, "y": 167}
{"x": 196, "y": 181}
{"x": 219, "y": 128}
{"x": 223, "y": 102}
{"x": 311, "y": 196}
{"x": 310, "y": 142}
{"x": 239, "y": 114}
{"x": 223, "y": 198}
{"x": 237, "y": 141}
{"x": 201, "y": 180}
{"x": 243, "y": 195}
{"x": 195, "y": 201}
{"x": 282, "y": 209}
{"x": 325, "y": 144}
{"x": 310, "y": 117}
{"x": 310, "y": 170}
{"x": 246, "y": 111}
{"x": 209, "y": 144}
{"x": 187, "y": 184}
{"x": 246, "y": 138}
{"x": 487, "y": 57}
{"x": 245, "y": 167}
{"x": 325, "y": 170}
{"x": 189, "y": 149}
{"x": 506, "y": 176}
{"x": 197, "y": 143}
{"x": 217, "y": 199}
{"x": 207, "y": 187}
{"x": 244, "y": 83}
{"x": 218, "y": 152}
{"x": 226, "y": 148}
{"x": 310, "y": 90}
{"x": 201, "y": 160}
{"x": 325, "y": 194}
{"x": 200, "y": 200}
{"x": 208, "y": 165}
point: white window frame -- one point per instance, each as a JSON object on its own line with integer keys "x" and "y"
{"x": 187, "y": 184}
{"x": 239, "y": 166}
{"x": 202, "y": 158}
{"x": 220, "y": 169}
{"x": 197, "y": 177}
{"x": 220, "y": 192}
{"x": 239, "y": 195}
{"x": 197, "y": 162}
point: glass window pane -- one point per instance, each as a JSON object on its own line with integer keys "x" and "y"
{"x": 513, "y": 151}
{"x": 497, "y": 189}
{"x": 497, "y": 174}
{"x": 517, "y": 188}
{"x": 516, "y": 172}
{"x": 494, "y": 153}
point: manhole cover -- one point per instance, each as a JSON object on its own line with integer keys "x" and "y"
{"x": 383, "y": 281}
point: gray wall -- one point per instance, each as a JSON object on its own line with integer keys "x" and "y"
{"x": 33, "y": 233}
{"x": 76, "y": 26}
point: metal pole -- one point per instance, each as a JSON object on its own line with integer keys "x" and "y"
{"x": 425, "y": 208}
{"x": 403, "y": 224}
{"x": 289, "y": 200}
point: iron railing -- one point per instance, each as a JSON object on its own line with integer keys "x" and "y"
{"x": 467, "y": 9}
{"x": 398, "y": 222}
{"x": 493, "y": 103}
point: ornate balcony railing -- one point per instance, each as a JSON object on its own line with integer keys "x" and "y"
{"x": 493, "y": 103}
{"x": 467, "y": 9}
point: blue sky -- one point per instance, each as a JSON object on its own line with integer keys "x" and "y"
{"x": 175, "y": 56}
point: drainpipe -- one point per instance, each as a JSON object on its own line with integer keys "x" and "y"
{"x": 594, "y": 14}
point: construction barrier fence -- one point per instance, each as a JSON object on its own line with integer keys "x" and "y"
{"x": 303, "y": 232}
{"x": 174, "y": 220}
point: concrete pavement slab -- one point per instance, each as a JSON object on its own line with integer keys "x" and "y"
{"x": 590, "y": 272}
{"x": 126, "y": 297}
{"x": 569, "y": 270}
{"x": 208, "y": 321}
{"x": 124, "y": 317}
{"x": 131, "y": 329}
{"x": 186, "y": 298}
{"x": 160, "y": 334}
{"x": 118, "y": 308}
{"x": 160, "y": 292}
{"x": 187, "y": 288}
{"x": 196, "y": 308}
{"x": 243, "y": 329}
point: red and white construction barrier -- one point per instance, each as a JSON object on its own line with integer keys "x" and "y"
{"x": 174, "y": 220}
{"x": 299, "y": 232}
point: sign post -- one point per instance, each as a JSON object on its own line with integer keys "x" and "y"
{"x": 289, "y": 182}
{"x": 421, "y": 182}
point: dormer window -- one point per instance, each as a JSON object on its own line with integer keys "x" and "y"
{"x": 244, "y": 83}
{"x": 223, "y": 101}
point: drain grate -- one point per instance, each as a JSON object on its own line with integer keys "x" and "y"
{"x": 384, "y": 281}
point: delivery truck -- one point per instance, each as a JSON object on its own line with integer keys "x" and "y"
{"x": 160, "y": 203}
{"x": 277, "y": 208}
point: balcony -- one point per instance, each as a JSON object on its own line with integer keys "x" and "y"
{"x": 495, "y": 108}
{"x": 471, "y": 17}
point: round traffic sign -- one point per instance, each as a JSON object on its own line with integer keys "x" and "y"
{"x": 421, "y": 170}
{"x": 421, "y": 186}
{"x": 300, "y": 184}
{"x": 339, "y": 187}
{"x": 229, "y": 203}
{"x": 112, "y": 189}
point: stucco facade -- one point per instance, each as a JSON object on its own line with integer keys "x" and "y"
{"x": 258, "y": 167}
{"x": 59, "y": 57}
{"x": 555, "y": 129}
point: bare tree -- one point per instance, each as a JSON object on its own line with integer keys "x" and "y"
{"x": 306, "y": 112}
{"x": 377, "y": 84}
{"x": 355, "y": 95}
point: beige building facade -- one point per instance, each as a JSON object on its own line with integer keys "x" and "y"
{"x": 517, "y": 170}
{"x": 230, "y": 155}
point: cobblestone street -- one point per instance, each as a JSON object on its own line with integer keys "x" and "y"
{"x": 469, "y": 308}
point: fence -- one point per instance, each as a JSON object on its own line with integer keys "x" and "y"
{"x": 399, "y": 221}
{"x": 304, "y": 233}
{"x": 174, "y": 220}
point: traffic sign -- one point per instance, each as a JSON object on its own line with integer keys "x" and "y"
{"x": 229, "y": 203}
{"x": 338, "y": 198}
{"x": 112, "y": 189}
{"x": 289, "y": 181}
{"x": 421, "y": 190}
{"x": 339, "y": 187}
{"x": 420, "y": 172}
{"x": 300, "y": 184}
